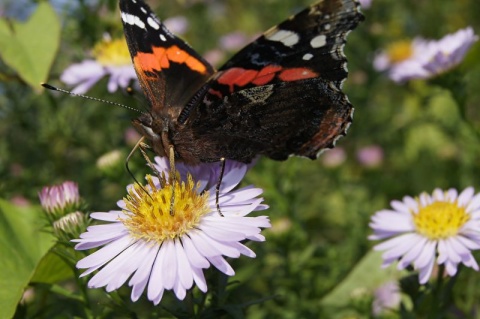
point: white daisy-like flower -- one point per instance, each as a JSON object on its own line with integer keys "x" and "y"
{"x": 160, "y": 246}
{"x": 422, "y": 58}
{"x": 111, "y": 59}
{"x": 441, "y": 228}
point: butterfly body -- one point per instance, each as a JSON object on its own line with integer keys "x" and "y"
{"x": 279, "y": 96}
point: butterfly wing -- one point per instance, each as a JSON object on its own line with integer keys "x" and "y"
{"x": 169, "y": 70}
{"x": 281, "y": 95}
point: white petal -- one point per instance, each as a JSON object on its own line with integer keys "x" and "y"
{"x": 199, "y": 279}
{"x": 106, "y": 253}
{"x": 156, "y": 281}
{"x": 158, "y": 298}
{"x": 170, "y": 265}
{"x": 196, "y": 259}
{"x": 474, "y": 203}
{"x": 466, "y": 196}
{"x": 427, "y": 256}
{"x": 203, "y": 247}
{"x": 426, "y": 271}
{"x": 111, "y": 216}
{"x": 221, "y": 264}
{"x": 413, "y": 253}
{"x": 224, "y": 248}
{"x": 185, "y": 275}
{"x": 179, "y": 290}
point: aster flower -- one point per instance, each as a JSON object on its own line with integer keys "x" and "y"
{"x": 111, "y": 59}
{"x": 60, "y": 199}
{"x": 370, "y": 156}
{"x": 162, "y": 247}
{"x": 386, "y": 297}
{"x": 365, "y": 4}
{"x": 422, "y": 59}
{"x": 441, "y": 228}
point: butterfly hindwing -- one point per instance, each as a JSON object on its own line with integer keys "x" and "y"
{"x": 276, "y": 120}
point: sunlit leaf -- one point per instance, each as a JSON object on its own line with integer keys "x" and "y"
{"x": 29, "y": 48}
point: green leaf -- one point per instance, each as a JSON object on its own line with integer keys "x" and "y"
{"x": 29, "y": 48}
{"x": 366, "y": 276}
{"x": 22, "y": 246}
{"x": 52, "y": 269}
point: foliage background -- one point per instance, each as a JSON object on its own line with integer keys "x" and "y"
{"x": 320, "y": 211}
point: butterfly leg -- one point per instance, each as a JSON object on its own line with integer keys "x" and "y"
{"x": 219, "y": 182}
{"x": 173, "y": 178}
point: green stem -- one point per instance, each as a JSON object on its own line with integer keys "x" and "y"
{"x": 437, "y": 300}
{"x": 190, "y": 304}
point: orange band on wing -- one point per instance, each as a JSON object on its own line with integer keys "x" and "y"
{"x": 161, "y": 58}
{"x": 241, "y": 77}
{"x": 296, "y": 74}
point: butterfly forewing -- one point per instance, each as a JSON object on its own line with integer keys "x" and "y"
{"x": 169, "y": 70}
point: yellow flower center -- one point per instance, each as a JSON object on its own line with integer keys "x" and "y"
{"x": 151, "y": 217}
{"x": 112, "y": 52}
{"x": 399, "y": 51}
{"x": 440, "y": 220}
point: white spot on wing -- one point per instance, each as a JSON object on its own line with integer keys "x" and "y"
{"x": 153, "y": 23}
{"x": 143, "y": 10}
{"x": 132, "y": 20}
{"x": 288, "y": 38}
{"x": 319, "y": 41}
{"x": 162, "y": 37}
{"x": 327, "y": 26}
{"x": 307, "y": 56}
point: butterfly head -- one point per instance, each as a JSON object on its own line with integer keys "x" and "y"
{"x": 155, "y": 129}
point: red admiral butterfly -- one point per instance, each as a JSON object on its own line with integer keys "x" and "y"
{"x": 279, "y": 96}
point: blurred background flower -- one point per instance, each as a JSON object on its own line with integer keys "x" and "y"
{"x": 422, "y": 58}
{"x": 387, "y": 297}
{"x": 112, "y": 59}
{"x": 370, "y": 156}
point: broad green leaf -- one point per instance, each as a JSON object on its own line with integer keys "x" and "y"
{"x": 366, "y": 276}
{"x": 22, "y": 246}
{"x": 52, "y": 269}
{"x": 29, "y": 48}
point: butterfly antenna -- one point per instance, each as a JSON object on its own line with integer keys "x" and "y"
{"x": 53, "y": 88}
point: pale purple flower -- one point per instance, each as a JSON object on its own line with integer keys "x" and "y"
{"x": 111, "y": 59}
{"x": 214, "y": 57}
{"x": 177, "y": 25}
{"x": 428, "y": 58}
{"x": 386, "y": 297}
{"x": 56, "y": 198}
{"x": 370, "y": 156}
{"x": 334, "y": 157}
{"x": 365, "y": 4}
{"x": 233, "y": 41}
{"x": 157, "y": 248}
{"x": 442, "y": 228}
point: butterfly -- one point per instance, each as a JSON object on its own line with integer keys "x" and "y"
{"x": 279, "y": 96}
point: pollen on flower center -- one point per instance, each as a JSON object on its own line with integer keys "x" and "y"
{"x": 399, "y": 51}
{"x": 112, "y": 52}
{"x": 150, "y": 216}
{"x": 440, "y": 220}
